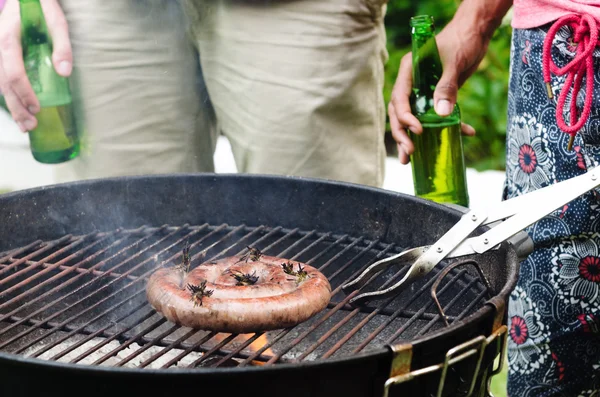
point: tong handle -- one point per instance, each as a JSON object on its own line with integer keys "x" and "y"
{"x": 532, "y": 207}
{"x": 521, "y": 212}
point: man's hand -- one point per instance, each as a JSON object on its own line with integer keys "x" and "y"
{"x": 14, "y": 84}
{"x": 462, "y": 45}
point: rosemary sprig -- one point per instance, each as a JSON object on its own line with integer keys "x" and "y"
{"x": 245, "y": 279}
{"x": 186, "y": 261}
{"x": 288, "y": 268}
{"x": 199, "y": 292}
{"x": 301, "y": 274}
{"x": 253, "y": 255}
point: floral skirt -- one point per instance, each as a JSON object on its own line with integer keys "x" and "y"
{"x": 554, "y": 316}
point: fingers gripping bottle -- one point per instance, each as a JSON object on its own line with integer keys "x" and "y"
{"x": 438, "y": 164}
{"x": 55, "y": 139}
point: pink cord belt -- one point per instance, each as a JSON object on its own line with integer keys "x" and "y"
{"x": 582, "y": 65}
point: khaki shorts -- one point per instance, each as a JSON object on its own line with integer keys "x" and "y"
{"x": 296, "y": 86}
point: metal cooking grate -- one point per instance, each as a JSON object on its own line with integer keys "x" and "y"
{"x": 81, "y": 299}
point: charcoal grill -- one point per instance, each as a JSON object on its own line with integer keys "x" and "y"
{"x": 75, "y": 259}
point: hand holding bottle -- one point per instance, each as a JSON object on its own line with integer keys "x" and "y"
{"x": 20, "y": 97}
{"x": 462, "y": 45}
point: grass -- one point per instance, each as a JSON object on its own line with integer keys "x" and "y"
{"x": 498, "y": 385}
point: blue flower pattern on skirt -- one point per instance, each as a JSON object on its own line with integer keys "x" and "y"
{"x": 554, "y": 313}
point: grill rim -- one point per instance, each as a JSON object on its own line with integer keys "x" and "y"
{"x": 449, "y": 211}
{"x": 384, "y": 354}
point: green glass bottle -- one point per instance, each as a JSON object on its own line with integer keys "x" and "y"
{"x": 55, "y": 139}
{"x": 438, "y": 164}
{"x": 3, "y": 102}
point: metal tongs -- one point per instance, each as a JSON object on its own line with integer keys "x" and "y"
{"x": 517, "y": 213}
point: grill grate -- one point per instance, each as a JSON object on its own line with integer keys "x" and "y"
{"x": 81, "y": 299}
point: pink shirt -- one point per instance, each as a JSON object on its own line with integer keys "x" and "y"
{"x": 533, "y": 13}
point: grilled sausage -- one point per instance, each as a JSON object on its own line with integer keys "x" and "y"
{"x": 239, "y": 295}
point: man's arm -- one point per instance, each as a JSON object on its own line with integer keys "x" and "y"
{"x": 462, "y": 45}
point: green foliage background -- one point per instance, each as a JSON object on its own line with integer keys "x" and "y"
{"x": 482, "y": 99}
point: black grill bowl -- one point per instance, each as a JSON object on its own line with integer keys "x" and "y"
{"x": 367, "y": 218}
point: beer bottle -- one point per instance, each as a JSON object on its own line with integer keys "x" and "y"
{"x": 3, "y": 102}
{"x": 437, "y": 163}
{"x": 55, "y": 139}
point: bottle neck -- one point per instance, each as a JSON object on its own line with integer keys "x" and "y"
{"x": 33, "y": 24}
{"x": 427, "y": 66}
